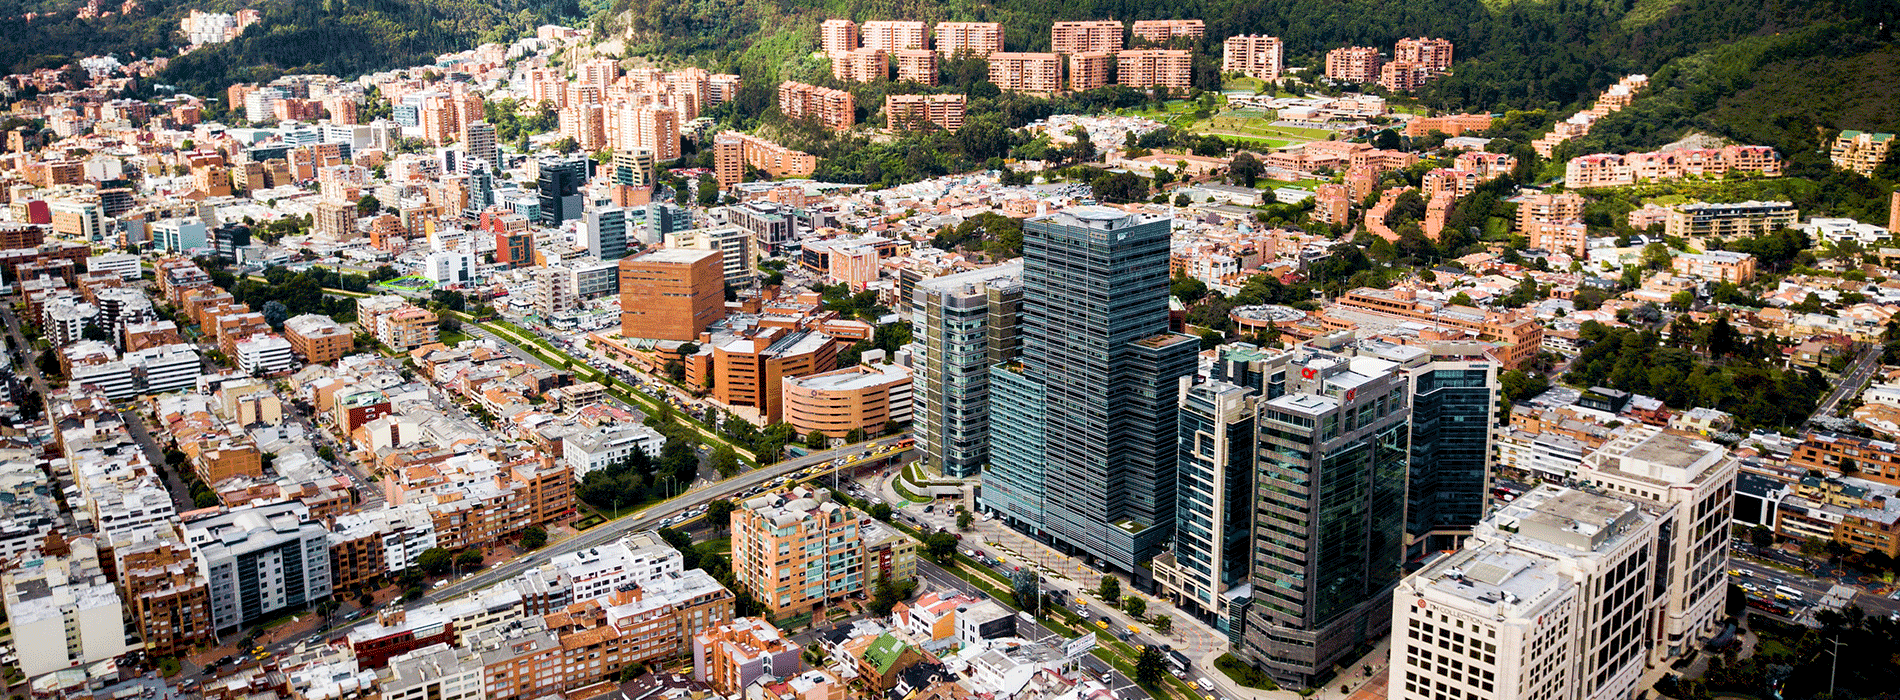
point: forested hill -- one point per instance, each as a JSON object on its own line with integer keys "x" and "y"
{"x": 1523, "y": 54}
{"x": 349, "y": 37}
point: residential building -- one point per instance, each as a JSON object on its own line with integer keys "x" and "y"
{"x": 1716, "y": 266}
{"x": 671, "y": 294}
{"x": 1733, "y": 220}
{"x": 1329, "y": 531}
{"x": 396, "y": 323}
{"x": 164, "y": 592}
{"x": 1162, "y": 32}
{"x": 894, "y": 35}
{"x": 1690, "y": 484}
{"x": 733, "y": 243}
{"x": 125, "y": 265}
{"x": 734, "y": 152}
{"x": 608, "y": 445}
{"x": 1086, "y": 36}
{"x": 750, "y": 371}
{"x": 965, "y": 324}
{"x": 1514, "y": 339}
{"x": 1431, "y": 55}
{"x": 1354, "y": 64}
{"x": 916, "y": 66}
{"x": 908, "y": 112}
{"x": 259, "y": 560}
{"x": 514, "y": 249}
{"x": 1026, "y": 72}
{"x": 558, "y": 188}
{"x": 868, "y": 397}
{"x": 264, "y": 355}
{"x": 181, "y": 235}
{"x": 1618, "y": 169}
{"x": 1093, "y": 386}
{"x": 373, "y": 543}
{"x": 1550, "y": 598}
{"x": 861, "y": 65}
{"x": 838, "y": 35}
{"x": 833, "y": 109}
{"x": 639, "y": 559}
{"x": 63, "y": 611}
{"x": 798, "y": 551}
{"x": 732, "y": 656}
{"x": 1846, "y": 455}
{"x": 1255, "y": 55}
{"x": 1089, "y": 70}
{"x": 435, "y": 672}
{"x": 1860, "y": 151}
{"x": 978, "y": 38}
{"x": 1172, "y": 69}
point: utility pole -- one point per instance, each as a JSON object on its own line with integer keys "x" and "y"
{"x": 1835, "y": 666}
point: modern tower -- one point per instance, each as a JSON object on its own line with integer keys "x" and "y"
{"x": 559, "y": 188}
{"x": 1214, "y": 504}
{"x": 963, "y": 325}
{"x": 1082, "y": 443}
{"x": 1329, "y": 513}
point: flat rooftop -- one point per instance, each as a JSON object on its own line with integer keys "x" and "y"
{"x": 678, "y": 256}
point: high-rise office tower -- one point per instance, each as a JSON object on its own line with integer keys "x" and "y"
{"x": 1329, "y": 518}
{"x": 606, "y": 232}
{"x": 963, "y": 325}
{"x": 1082, "y": 441}
{"x": 479, "y": 138}
{"x": 1214, "y": 503}
{"x": 481, "y": 189}
{"x": 664, "y": 218}
{"x": 559, "y": 187}
{"x": 1454, "y": 393}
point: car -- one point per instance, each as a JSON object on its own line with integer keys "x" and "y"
{"x": 1102, "y": 624}
{"x": 1108, "y": 678}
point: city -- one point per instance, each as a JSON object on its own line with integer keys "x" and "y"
{"x": 936, "y": 358}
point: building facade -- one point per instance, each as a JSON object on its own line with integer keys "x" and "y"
{"x": 965, "y": 324}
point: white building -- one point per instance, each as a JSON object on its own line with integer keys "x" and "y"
{"x": 64, "y": 611}
{"x": 179, "y": 235}
{"x": 1546, "y": 456}
{"x": 1834, "y": 230}
{"x": 635, "y": 559}
{"x": 259, "y": 560}
{"x": 449, "y": 267}
{"x": 609, "y": 444}
{"x": 733, "y": 243}
{"x": 1550, "y": 599}
{"x": 264, "y": 355}
{"x": 406, "y": 531}
{"x": 166, "y": 368}
{"x": 64, "y": 319}
{"x": 125, "y": 265}
{"x": 434, "y": 672}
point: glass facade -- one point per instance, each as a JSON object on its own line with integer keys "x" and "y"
{"x": 965, "y": 324}
{"x": 1451, "y": 449}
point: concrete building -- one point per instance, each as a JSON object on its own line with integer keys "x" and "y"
{"x": 734, "y": 245}
{"x": 1716, "y": 266}
{"x": 1741, "y": 219}
{"x": 265, "y": 355}
{"x": 1163, "y": 32}
{"x": 395, "y": 322}
{"x": 1087, "y": 36}
{"x": 834, "y": 109}
{"x": 609, "y": 444}
{"x": 1550, "y": 598}
{"x": 1090, "y": 70}
{"x": 868, "y": 397}
{"x": 1215, "y": 499}
{"x": 1860, "y": 151}
{"x": 318, "y": 339}
{"x": 64, "y": 611}
{"x": 165, "y": 594}
{"x": 894, "y": 35}
{"x": 259, "y": 560}
{"x": 1026, "y": 72}
{"x": 1354, "y": 64}
{"x": 1082, "y": 443}
{"x": 1690, "y": 484}
{"x": 965, "y": 324}
{"x": 671, "y": 294}
{"x": 749, "y": 372}
{"x": 1254, "y": 55}
{"x": 908, "y": 112}
{"x": 916, "y": 66}
{"x": 1433, "y": 56}
{"x": 179, "y": 235}
{"x": 977, "y": 38}
{"x": 838, "y": 35}
{"x": 1168, "y": 68}
{"x": 798, "y": 551}
{"x": 732, "y": 656}
{"x": 863, "y": 65}
{"x": 734, "y": 152}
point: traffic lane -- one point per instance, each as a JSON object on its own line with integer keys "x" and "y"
{"x": 1812, "y": 590}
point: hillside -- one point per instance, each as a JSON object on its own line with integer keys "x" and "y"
{"x": 54, "y": 40}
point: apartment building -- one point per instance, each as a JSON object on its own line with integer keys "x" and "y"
{"x": 1255, "y": 55}
{"x": 260, "y": 559}
{"x": 671, "y": 294}
{"x": 63, "y": 611}
{"x": 1354, "y": 64}
{"x": 750, "y": 371}
{"x": 798, "y": 551}
{"x": 1026, "y": 72}
{"x": 1690, "y": 484}
{"x": 1433, "y": 56}
{"x": 977, "y": 38}
{"x": 1172, "y": 69}
{"x": 965, "y": 323}
{"x": 1550, "y": 598}
{"x": 733, "y": 243}
{"x": 1090, "y": 70}
{"x": 868, "y": 397}
{"x": 1716, "y": 266}
{"x": 1864, "y": 515}
{"x": 1729, "y": 220}
{"x": 837, "y": 36}
{"x": 1162, "y": 32}
{"x": 1403, "y": 76}
{"x": 909, "y": 112}
{"x": 1332, "y": 205}
{"x": 732, "y": 656}
{"x": 1618, "y": 169}
{"x": 1860, "y": 151}
{"x": 1838, "y": 454}
{"x": 863, "y": 65}
{"x": 396, "y": 323}
{"x": 916, "y": 66}
{"x": 607, "y": 445}
{"x": 165, "y": 593}
{"x": 894, "y": 35}
{"x": 1515, "y": 338}
{"x": 1086, "y": 36}
{"x": 832, "y": 108}
{"x": 734, "y": 152}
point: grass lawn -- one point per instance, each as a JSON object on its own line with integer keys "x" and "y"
{"x": 453, "y": 338}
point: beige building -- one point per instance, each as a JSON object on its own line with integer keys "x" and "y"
{"x": 1433, "y": 55}
{"x": 1254, "y": 55}
{"x": 916, "y": 66}
{"x": 867, "y": 397}
{"x": 1026, "y": 72}
{"x": 894, "y": 35}
{"x": 1088, "y": 71}
{"x": 1086, "y": 36}
{"x": 1164, "y": 31}
{"x": 838, "y": 35}
{"x": 1354, "y": 64}
{"x": 1729, "y": 220}
{"x": 1860, "y": 151}
{"x": 798, "y": 551}
{"x": 733, "y": 655}
{"x": 832, "y": 108}
{"x": 394, "y": 321}
{"x": 861, "y": 65}
{"x": 908, "y": 112}
{"x": 978, "y": 38}
{"x": 1173, "y": 69}
{"x": 733, "y": 152}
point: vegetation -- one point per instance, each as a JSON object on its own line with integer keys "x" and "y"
{"x": 1243, "y": 674}
{"x": 533, "y": 537}
{"x": 1700, "y": 365}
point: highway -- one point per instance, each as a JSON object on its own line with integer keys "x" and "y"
{"x": 648, "y": 519}
{"x": 1852, "y": 380}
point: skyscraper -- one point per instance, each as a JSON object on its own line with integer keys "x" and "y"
{"x": 1454, "y": 392}
{"x": 1214, "y": 502}
{"x": 481, "y": 189}
{"x": 1085, "y": 426}
{"x": 559, "y": 188}
{"x": 606, "y": 232}
{"x": 1329, "y": 515}
{"x": 965, "y": 324}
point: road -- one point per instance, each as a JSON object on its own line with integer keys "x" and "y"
{"x": 646, "y": 520}
{"x": 1852, "y": 380}
{"x": 1813, "y": 588}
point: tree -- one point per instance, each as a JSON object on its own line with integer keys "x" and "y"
{"x": 1161, "y": 623}
{"x": 882, "y": 511}
{"x": 719, "y": 513}
{"x": 1245, "y": 169}
{"x": 725, "y": 461}
{"x": 470, "y": 560}
{"x": 49, "y": 364}
{"x": 368, "y": 205}
{"x": 533, "y": 537}
{"x": 275, "y": 313}
{"x": 1461, "y": 299}
{"x": 1110, "y": 590}
{"x": 854, "y": 436}
{"x": 434, "y": 561}
{"x": 1135, "y": 605}
{"x": 708, "y": 191}
{"x": 1519, "y": 385}
{"x": 1150, "y": 666}
{"x": 964, "y": 520}
{"x": 1026, "y": 585}
{"x": 940, "y": 546}
{"x": 817, "y": 440}
{"x": 1761, "y": 536}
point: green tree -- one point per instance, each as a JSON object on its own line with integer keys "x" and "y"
{"x": 1161, "y": 623}
{"x": 719, "y": 513}
{"x": 964, "y": 520}
{"x": 1245, "y": 169}
{"x": 817, "y": 440}
{"x": 1519, "y": 385}
{"x": 882, "y": 511}
{"x": 469, "y": 560}
{"x": 725, "y": 461}
{"x": 435, "y": 561}
{"x": 1135, "y": 605}
{"x": 1149, "y": 667}
{"x": 533, "y": 537}
{"x": 1110, "y": 590}
{"x": 708, "y": 191}
{"x": 1027, "y": 586}
{"x": 940, "y": 546}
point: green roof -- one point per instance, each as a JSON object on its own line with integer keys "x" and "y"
{"x": 884, "y": 653}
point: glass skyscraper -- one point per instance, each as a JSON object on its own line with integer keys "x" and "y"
{"x": 964, "y": 324}
{"x": 1086, "y": 425}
